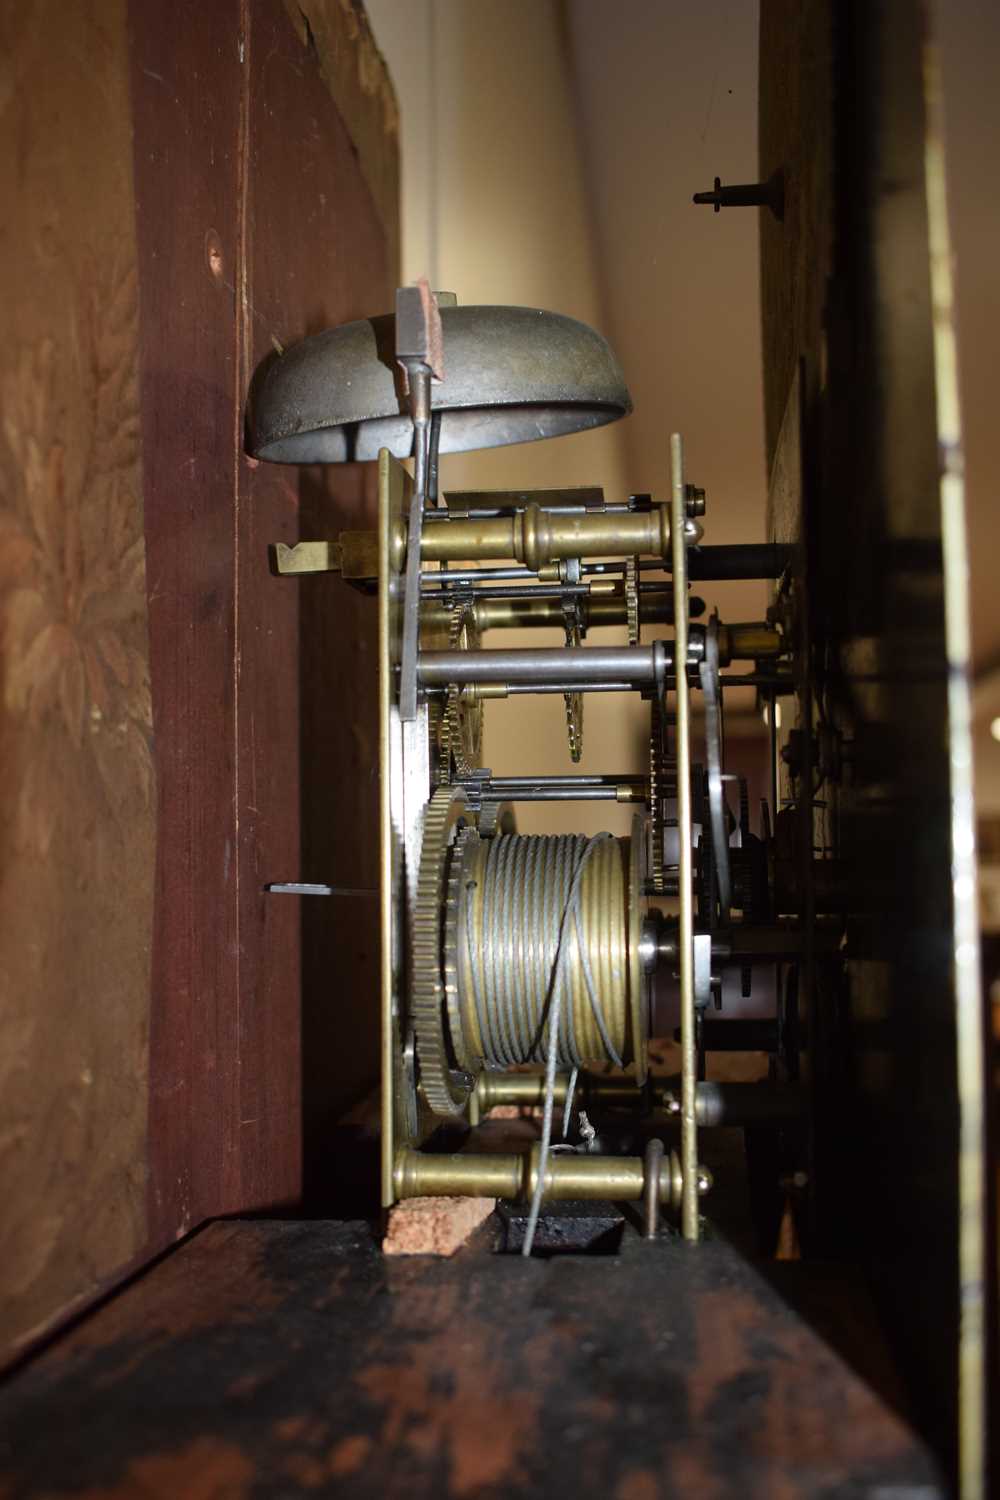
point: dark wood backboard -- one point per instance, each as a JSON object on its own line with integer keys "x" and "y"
{"x": 856, "y": 300}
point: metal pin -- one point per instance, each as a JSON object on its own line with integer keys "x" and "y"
{"x": 769, "y": 194}
{"x": 315, "y": 888}
{"x": 651, "y": 1188}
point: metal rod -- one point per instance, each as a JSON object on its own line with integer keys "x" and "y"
{"x": 474, "y": 575}
{"x": 735, "y": 560}
{"x": 759, "y": 679}
{"x": 433, "y": 456}
{"x": 739, "y": 560}
{"x": 566, "y": 794}
{"x": 602, "y": 568}
{"x": 420, "y": 405}
{"x": 315, "y": 888}
{"x": 716, "y": 1103}
{"x": 517, "y": 689}
{"x": 578, "y": 665}
{"x": 546, "y": 612}
{"x": 689, "y": 1122}
{"x": 754, "y": 943}
{"x": 749, "y": 1103}
{"x": 497, "y": 782}
{"x": 561, "y": 788}
{"x": 526, "y": 591}
{"x": 652, "y": 1161}
{"x": 490, "y": 513}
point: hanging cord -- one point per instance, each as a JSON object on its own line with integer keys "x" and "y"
{"x": 568, "y": 1106}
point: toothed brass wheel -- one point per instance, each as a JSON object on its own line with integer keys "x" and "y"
{"x": 445, "y": 1088}
{"x": 632, "y": 599}
{"x": 460, "y": 726}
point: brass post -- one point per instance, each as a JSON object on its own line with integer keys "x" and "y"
{"x": 620, "y": 1179}
{"x": 536, "y": 537}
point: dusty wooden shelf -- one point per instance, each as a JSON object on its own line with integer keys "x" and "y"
{"x": 282, "y": 1358}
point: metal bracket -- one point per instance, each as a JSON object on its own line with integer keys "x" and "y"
{"x": 308, "y": 557}
{"x": 420, "y": 354}
{"x": 702, "y": 970}
{"x": 708, "y": 672}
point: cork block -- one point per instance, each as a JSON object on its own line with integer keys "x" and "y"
{"x": 434, "y": 1226}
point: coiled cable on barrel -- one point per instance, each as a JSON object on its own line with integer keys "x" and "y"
{"x": 528, "y": 919}
{"x": 531, "y": 919}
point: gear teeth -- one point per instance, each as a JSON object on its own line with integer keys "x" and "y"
{"x": 436, "y": 735}
{"x": 445, "y": 1096}
{"x": 656, "y": 791}
{"x": 461, "y": 723}
{"x": 632, "y": 599}
{"x": 574, "y": 725}
{"x": 574, "y": 704}
{"x": 453, "y": 913}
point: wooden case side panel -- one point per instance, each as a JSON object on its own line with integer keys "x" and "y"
{"x": 77, "y": 797}
{"x": 256, "y": 228}
{"x": 185, "y": 197}
{"x": 318, "y": 253}
{"x": 187, "y": 94}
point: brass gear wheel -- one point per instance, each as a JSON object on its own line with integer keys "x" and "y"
{"x": 574, "y": 704}
{"x": 632, "y": 599}
{"x": 460, "y": 727}
{"x": 445, "y": 1089}
{"x": 657, "y": 791}
{"x": 494, "y": 818}
{"x": 452, "y": 943}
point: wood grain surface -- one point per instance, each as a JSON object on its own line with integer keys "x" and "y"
{"x": 795, "y": 137}
{"x": 186, "y": 193}
{"x": 293, "y": 1358}
{"x": 255, "y": 228}
{"x": 77, "y": 793}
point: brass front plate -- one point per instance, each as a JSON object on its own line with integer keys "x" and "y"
{"x": 394, "y": 488}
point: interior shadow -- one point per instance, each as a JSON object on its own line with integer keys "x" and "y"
{"x": 338, "y": 791}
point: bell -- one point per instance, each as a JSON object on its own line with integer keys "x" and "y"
{"x": 512, "y": 375}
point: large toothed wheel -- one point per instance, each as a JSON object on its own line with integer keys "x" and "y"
{"x": 445, "y": 1088}
{"x": 632, "y": 599}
